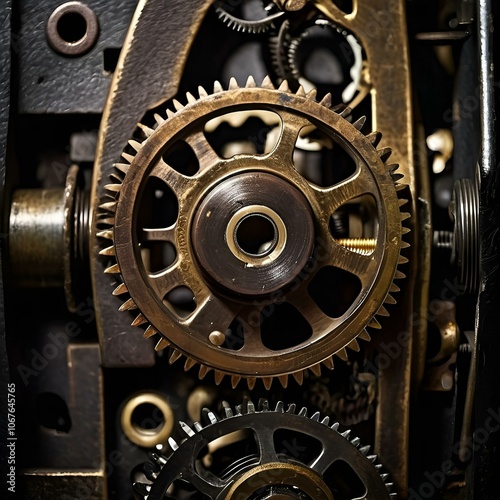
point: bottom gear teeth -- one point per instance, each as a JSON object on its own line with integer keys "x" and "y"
{"x": 267, "y": 381}
{"x": 235, "y": 380}
{"x": 219, "y": 377}
{"x": 299, "y": 377}
{"x": 283, "y": 381}
{"x": 176, "y": 355}
{"x": 303, "y": 412}
{"x": 291, "y": 408}
{"x": 280, "y": 407}
{"x": 342, "y": 354}
{"x": 251, "y": 381}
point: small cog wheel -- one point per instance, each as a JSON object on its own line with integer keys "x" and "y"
{"x": 253, "y": 282}
{"x": 293, "y": 456}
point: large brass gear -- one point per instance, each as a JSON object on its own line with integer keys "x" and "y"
{"x": 202, "y": 197}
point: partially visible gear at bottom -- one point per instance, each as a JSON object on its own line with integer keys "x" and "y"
{"x": 261, "y": 454}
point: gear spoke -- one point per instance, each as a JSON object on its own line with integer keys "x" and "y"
{"x": 362, "y": 266}
{"x": 163, "y": 234}
{"x": 210, "y": 485}
{"x": 265, "y": 441}
{"x": 212, "y": 314}
{"x": 292, "y": 124}
{"x": 204, "y": 152}
{"x": 325, "y": 459}
{"x": 176, "y": 181}
{"x": 166, "y": 281}
{"x": 305, "y": 304}
{"x": 334, "y": 197}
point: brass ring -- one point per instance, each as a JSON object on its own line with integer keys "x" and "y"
{"x": 140, "y": 436}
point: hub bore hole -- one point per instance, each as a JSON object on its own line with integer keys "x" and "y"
{"x": 72, "y": 27}
{"x": 147, "y": 418}
{"x": 256, "y": 235}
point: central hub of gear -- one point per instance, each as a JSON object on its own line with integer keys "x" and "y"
{"x": 253, "y": 233}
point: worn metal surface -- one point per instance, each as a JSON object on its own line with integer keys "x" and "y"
{"x": 70, "y": 463}
{"x": 380, "y": 26}
{"x": 50, "y": 82}
{"x": 123, "y": 345}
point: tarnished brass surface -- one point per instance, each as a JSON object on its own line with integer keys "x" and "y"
{"x": 277, "y": 473}
{"x": 190, "y": 335}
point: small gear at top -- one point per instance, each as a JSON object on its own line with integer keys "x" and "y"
{"x": 230, "y": 257}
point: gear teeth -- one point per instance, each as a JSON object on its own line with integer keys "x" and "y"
{"x": 316, "y": 370}
{"x": 284, "y": 87}
{"x": 291, "y": 408}
{"x": 202, "y": 372}
{"x": 135, "y": 145}
{"x": 405, "y": 216}
{"x": 198, "y": 427}
{"x": 173, "y": 444}
{"x": 328, "y": 362}
{"x": 114, "y": 269}
{"x": 126, "y": 156}
{"x": 191, "y": 99}
{"x": 159, "y": 119}
{"x": 375, "y": 138}
{"x": 372, "y": 458}
{"x": 267, "y": 381}
{"x": 108, "y": 234}
{"x": 177, "y": 105}
{"x": 228, "y": 411}
{"x": 374, "y": 324}
{"x": 263, "y": 405}
{"x": 300, "y": 91}
{"x": 299, "y": 377}
{"x": 400, "y": 187}
{"x": 233, "y": 84}
{"x": 212, "y": 417}
{"x": 251, "y": 381}
{"x": 109, "y": 206}
{"x": 392, "y": 169}
{"x": 120, "y": 289}
{"x": 364, "y": 450}
{"x": 339, "y": 108}
{"x": 267, "y": 83}
{"x": 139, "y": 320}
{"x": 346, "y": 434}
{"x": 219, "y": 377}
{"x": 383, "y": 312}
{"x": 158, "y": 459}
{"x": 150, "y": 332}
{"x": 174, "y": 356}
{"x": 113, "y": 188}
{"x": 170, "y": 113}
{"x": 346, "y": 113}
{"x": 399, "y": 275}
{"x": 356, "y": 441}
{"x": 122, "y": 167}
{"x": 238, "y": 410}
{"x": 235, "y": 380}
{"x": 217, "y": 87}
{"x": 109, "y": 251}
{"x": 110, "y": 221}
{"x": 378, "y": 467}
{"x": 364, "y": 335}
{"x": 394, "y": 288}
{"x": 384, "y": 477}
{"x": 327, "y": 101}
{"x": 303, "y": 412}
{"x": 404, "y": 244}
{"x": 312, "y": 94}
{"x": 190, "y": 362}
{"x": 342, "y": 354}
{"x": 402, "y": 202}
{"x": 283, "y": 380}
{"x": 187, "y": 430}
{"x": 397, "y": 177}
{"x": 326, "y": 421}
{"x": 202, "y": 92}
{"x": 389, "y": 299}
{"x": 143, "y": 489}
{"x": 162, "y": 344}
{"x": 335, "y": 426}
{"x": 280, "y": 407}
{"x": 250, "y": 82}
{"x": 315, "y": 416}
{"x": 360, "y": 122}
{"x": 385, "y": 154}
{"x": 128, "y": 305}
{"x": 250, "y": 407}
{"x": 353, "y": 345}
{"x": 403, "y": 260}
{"x": 147, "y": 131}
